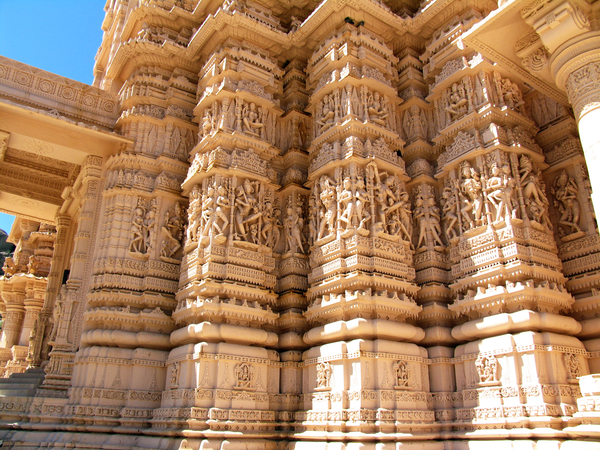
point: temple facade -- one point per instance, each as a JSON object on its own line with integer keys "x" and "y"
{"x": 293, "y": 224}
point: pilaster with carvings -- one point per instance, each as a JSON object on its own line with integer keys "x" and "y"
{"x": 361, "y": 280}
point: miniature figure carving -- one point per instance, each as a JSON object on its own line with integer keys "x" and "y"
{"x": 487, "y": 367}
{"x": 244, "y": 374}
{"x": 175, "y": 368}
{"x": 221, "y": 220}
{"x": 470, "y": 185}
{"x": 534, "y": 195}
{"x": 327, "y": 112}
{"x": 449, "y": 203}
{"x": 500, "y": 192}
{"x": 427, "y": 216}
{"x": 573, "y": 366}
{"x": 292, "y": 231}
{"x": 324, "y": 372}
{"x": 327, "y": 214}
{"x": 565, "y": 192}
{"x": 377, "y": 110}
{"x": 457, "y": 99}
{"x": 173, "y": 230}
{"x": 402, "y": 371}
{"x": 137, "y": 232}
{"x": 270, "y": 232}
{"x": 531, "y": 182}
{"x": 415, "y": 123}
{"x": 245, "y": 201}
{"x": 150, "y": 226}
{"x": 253, "y": 124}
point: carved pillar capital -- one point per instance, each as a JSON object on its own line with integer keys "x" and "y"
{"x": 583, "y": 87}
{"x": 557, "y": 23}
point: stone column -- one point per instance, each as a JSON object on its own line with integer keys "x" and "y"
{"x": 55, "y": 277}
{"x": 13, "y": 320}
{"x": 88, "y": 190}
{"x": 583, "y": 89}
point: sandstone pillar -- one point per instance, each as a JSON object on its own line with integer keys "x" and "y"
{"x": 583, "y": 89}
{"x": 48, "y": 321}
{"x": 72, "y": 296}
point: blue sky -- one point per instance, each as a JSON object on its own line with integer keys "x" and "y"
{"x": 60, "y": 36}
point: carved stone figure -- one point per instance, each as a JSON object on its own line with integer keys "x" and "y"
{"x": 487, "y": 367}
{"x": 150, "y": 226}
{"x": 245, "y": 202}
{"x": 326, "y": 115}
{"x": 427, "y": 216}
{"x": 531, "y": 182}
{"x": 402, "y": 374}
{"x": 175, "y": 368}
{"x": 252, "y": 119}
{"x": 472, "y": 204}
{"x": 457, "y": 101}
{"x": 324, "y": 372}
{"x": 450, "y": 213}
{"x": 501, "y": 192}
{"x": 173, "y": 231}
{"x": 327, "y": 213}
{"x": 414, "y": 123}
{"x": 244, "y": 375}
{"x": 138, "y": 244}
{"x": 565, "y": 192}
{"x": 377, "y": 110}
{"x": 292, "y": 231}
{"x": 572, "y": 364}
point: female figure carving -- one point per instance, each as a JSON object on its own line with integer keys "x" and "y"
{"x": 565, "y": 191}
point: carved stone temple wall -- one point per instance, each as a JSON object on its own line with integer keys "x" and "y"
{"x": 293, "y": 224}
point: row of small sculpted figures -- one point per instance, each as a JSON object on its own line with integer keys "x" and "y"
{"x": 471, "y": 92}
{"x": 239, "y": 115}
{"x": 497, "y": 191}
{"x": 364, "y": 201}
{"x": 461, "y": 98}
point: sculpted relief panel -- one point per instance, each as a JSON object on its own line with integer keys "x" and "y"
{"x": 278, "y": 272}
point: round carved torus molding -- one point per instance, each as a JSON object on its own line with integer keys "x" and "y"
{"x": 574, "y": 55}
{"x": 583, "y": 89}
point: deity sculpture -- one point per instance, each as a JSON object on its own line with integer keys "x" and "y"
{"x": 457, "y": 99}
{"x": 173, "y": 231}
{"x": 327, "y": 112}
{"x": 327, "y": 213}
{"x": 252, "y": 120}
{"x": 565, "y": 192}
{"x": 471, "y": 187}
{"x": 427, "y": 216}
{"x": 414, "y": 123}
{"x": 531, "y": 182}
{"x": 487, "y": 367}
{"x": 449, "y": 203}
{"x": 501, "y": 192}
{"x": 149, "y": 226}
{"x": 324, "y": 372}
{"x": 244, "y": 374}
{"x": 175, "y": 368}
{"x": 292, "y": 230}
{"x": 377, "y": 110}
{"x": 402, "y": 373}
{"x": 137, "y": 232}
